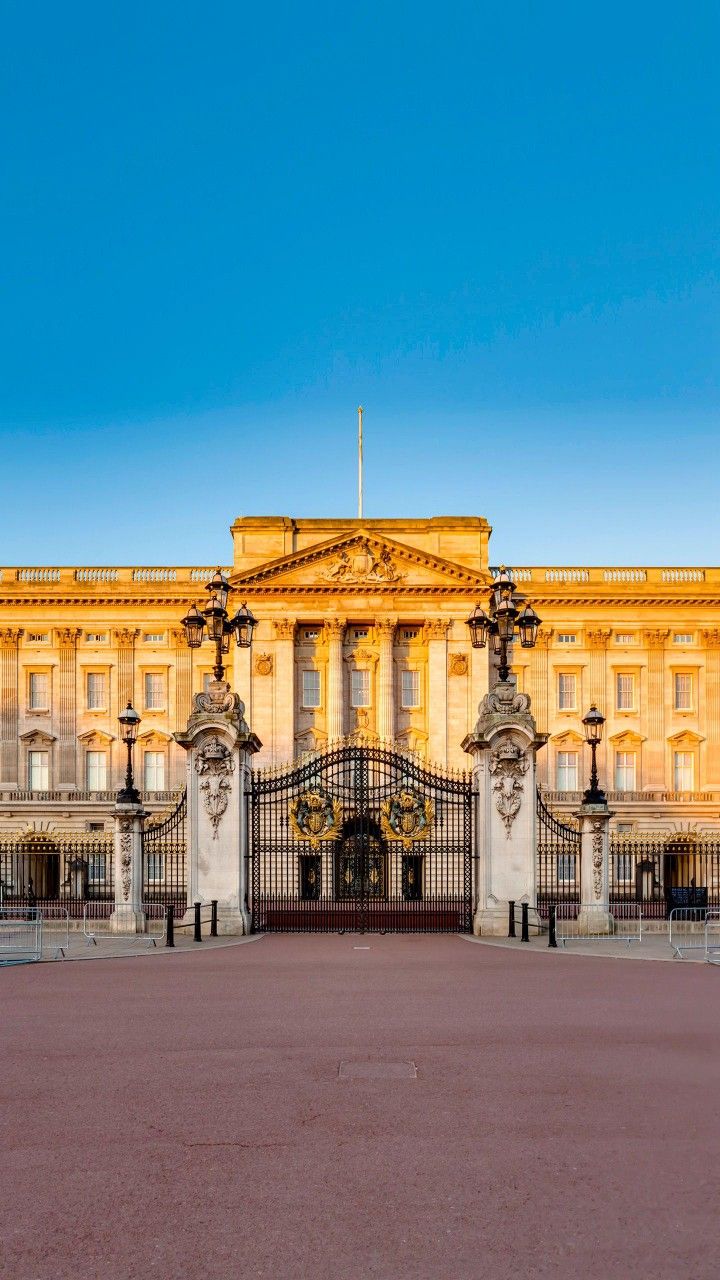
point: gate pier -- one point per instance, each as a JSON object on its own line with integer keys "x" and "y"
{"x": 219, "y": 746}
{"x": 504, "y": 745}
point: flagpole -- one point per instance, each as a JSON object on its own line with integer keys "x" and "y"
{"x": 360, "y": 463}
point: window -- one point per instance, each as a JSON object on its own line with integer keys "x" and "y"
{"x": 311, "y": 688}
{"x": 410, "y": 633}
{"x": 624, "y": 828}
{"x": 96, "y": 868}
{"x": 567, "y": 694}
{"x": 312, "y": 633}
{"x": 96, "y": 637}
{"x": 567, "y": 771}
{"x": 624, "y": 866}
{"x": 38, "y": 770}
{"x": 360, "y": 688}
{"x": 39, "y": 691}
{"x": 410, "y": 689}
{"x": 683, "y": 637}
{"x": 38, "y": 637}
{"x": 154, "y": 771}
{"x": 567, "y": 637}
{"x": 683, "y": 691}
{"x": 154, "y": 864}
{"x": 95, "y": 690}
{"x": 625, "y": 691}
{"x": 154, "y": 637}
{"x": 566, "y": 868}
{"x": 624, "y": 637}
{"x": 684, "y": 770}
{"x": 154, "y": 691}
{"x": 625, "y": 770}
{"x": 360, "y": 633}
{"x": 95, "y": 826}
{"x": 96, "y": 771}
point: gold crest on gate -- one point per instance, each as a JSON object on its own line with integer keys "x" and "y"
{"x": 314, "y": 816}
{"x": 406, "y": 817}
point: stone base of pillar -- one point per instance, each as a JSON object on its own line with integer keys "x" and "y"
{"x": 593, "y": 922}
{"x": 231, "y": 923}
{"x": 125, "y": 919}
{"x": 494, "y": 921}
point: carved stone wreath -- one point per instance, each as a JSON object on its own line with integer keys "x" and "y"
{"x": 214, "y": 764}
{"x": 508, "y": 764}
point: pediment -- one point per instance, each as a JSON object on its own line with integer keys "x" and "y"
{"x": 569, "y": 738}
{"x": 154, "y": 736}
{"x": 95, "y": 735}
{"x": 37, "y": 737}
{"x": 358, "y": 563}
{"x": 626, "y": 739}
{"x": 686, "y": 737}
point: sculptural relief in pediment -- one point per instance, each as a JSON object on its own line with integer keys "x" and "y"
{"x": 361, "y": 564}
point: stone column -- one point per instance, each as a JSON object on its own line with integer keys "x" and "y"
{"x": 503, "y": 745}
{"x": 334, "y": 631}
{"x": 385, "y": 682}
{"x": 67, "y": 638}
{"x": 125, "y": 644}
{"x": 596, "y": 639}
{"x": 436, "y": 636}
{"x": 219, "y": 748}
{"x": 594, "y": 916}
{"x": 653, "y": 765}
{"x": 9, "y": 641}
{"x": 711, "y": 639}
{"x": 128, "y": 916}
{"x": 539, "y": 689}
{"x": 284, "y": 690}
{"x": 183, "y": 675}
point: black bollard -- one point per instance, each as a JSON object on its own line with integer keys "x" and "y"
{"x": 525, "y": 934}
{"x": 511, "y": 920}
{"x": 197, "y": 936}
{"x": 552, "y": 940}
{"x": 213, "y": 917}
{"x": 170, "y": 927}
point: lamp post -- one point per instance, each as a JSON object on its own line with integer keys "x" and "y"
{"x": 217, "y": 622}
{"x": 594, "y": 722}
{"x": 129, "y": 725}
{"x": 501, "y": 623}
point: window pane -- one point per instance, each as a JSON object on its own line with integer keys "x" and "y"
{"x": 154, "y": 691}
{"x": 154, "y": 771}
{"x": 410, "y": 689}
{"x": 39, "y": 691}
{"x": 625, "y": 771}
{"x": 684, "y": 770}
{"x": 360, "y": 689}
{"x": 96, "y": 867}
{"x": 625, "y": 692}
{"x": 96, "y": 770}
{"x": 683, "y": 692}
{"x": 566, "y": 692}
{"x": 567, "y": 771}
{"x": 38, "y": 762}
{"x": 311, "y": 688}
{"x": 96, "y": 691}
{"x": 155, "y": 866}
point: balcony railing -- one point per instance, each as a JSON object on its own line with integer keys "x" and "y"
{"x": 21, "y": 796}
{"x": 637, "y": 797}
{"x": 41, "y": 574}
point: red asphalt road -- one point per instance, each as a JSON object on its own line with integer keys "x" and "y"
{"x": 182, "y": 1116}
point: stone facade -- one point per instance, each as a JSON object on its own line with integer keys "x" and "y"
{"x": 361, "y": 631}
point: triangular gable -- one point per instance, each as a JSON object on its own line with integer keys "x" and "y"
{"x": 360, "y": 561}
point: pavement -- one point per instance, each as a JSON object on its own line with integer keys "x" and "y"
{"x": 420, "y": 1106}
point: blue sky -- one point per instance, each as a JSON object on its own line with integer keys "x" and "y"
{"x": 225, "y": 226}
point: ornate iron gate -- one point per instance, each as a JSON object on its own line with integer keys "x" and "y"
{"x": 164, "y": 854}
{"x": 558, "y": 860}
{"x": 361, "y": 838}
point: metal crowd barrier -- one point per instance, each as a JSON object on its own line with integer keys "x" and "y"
{"x": 686, "y": 930}
{"x": 107, "y": 922}
{"x": 622, "y": 923}
{"x": 21, "y": 933}
{"x": 712, "y": 935}
{"x": 56, "y": 919}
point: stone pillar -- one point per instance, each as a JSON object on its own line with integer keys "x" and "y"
{"x": 9, "y": 641}
{"x": 67, "y": 638}
{"x": 594, "y": 821}
{"x": 711, "y": 639}
{"x": 539, "y": 691}
{"x": 385, "y": 682}
{"x": 653, "y": 765}
{"x": 503, "y": 746}
{"x": 128, "y": 916}
{"x": 596, "y": 639}
{"x": 219, "y": 747}
{"x": 334, "y": 631}
{"x": 284, "y": 719}
{"x": 125, "y": 639}
{"x": 436, "y": 636}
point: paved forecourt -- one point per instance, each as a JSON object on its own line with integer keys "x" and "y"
{"x": 360, "y": 1106}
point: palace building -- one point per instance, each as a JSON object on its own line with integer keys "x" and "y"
{"x": 361, "y": 632}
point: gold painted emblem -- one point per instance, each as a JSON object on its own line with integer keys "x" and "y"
{"x": 406, "y": 817}
{"x": 314, "y": 816}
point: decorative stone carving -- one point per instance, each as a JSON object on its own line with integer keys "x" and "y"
{"x": 406, "y": 817}
{"x": 125, "y": 637}
{"x": 458, "y": 664}
{"x": 508, "y": 765}
{"x": 126, "y": 837}
{"x": 284, "y": 628}
{"x": 315, "y": 816}
{"x": 67, "y": 637}
{"x": 363, "y": 563}
{"x": 544, "y": 638}
{"x": 436, "y": 628}
{"x": 655, "y": 639}
{"x": 335, "y": 628}
{"x": 263, "y": 664}
{"x": 214, "y": 764}
{"x": 711, "y": 637}
{"x": 217, "y": 699}
{"x": 10, "y": 637}
{"x": 597, "y": 855}
{"x": 178, "y": 637}
{"x": 501, "y": 702}
{"x": 597, "y": 637}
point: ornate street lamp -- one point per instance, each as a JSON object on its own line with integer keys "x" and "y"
{"x": 219, "y": 625}
{"x": 594, "y": 722}
{"x": 129, "y": 725}
{"x": 503, "y": 621}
